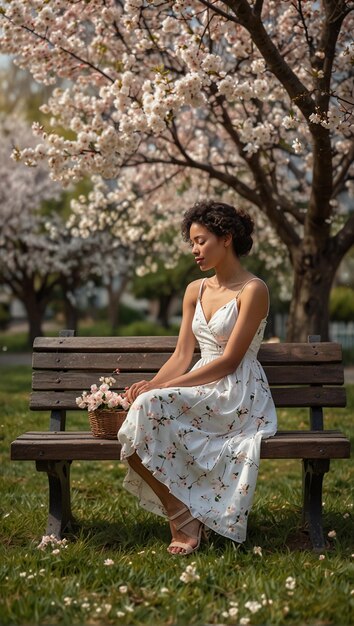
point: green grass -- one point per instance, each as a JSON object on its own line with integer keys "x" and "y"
{"x": 142, "y": 585}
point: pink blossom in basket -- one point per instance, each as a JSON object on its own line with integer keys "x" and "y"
{"x": 102, "y": 396}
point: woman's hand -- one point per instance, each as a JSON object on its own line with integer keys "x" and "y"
{"x": 132, "y": 392}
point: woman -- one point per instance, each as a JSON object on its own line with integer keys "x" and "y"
{"x": 192, "y": 438}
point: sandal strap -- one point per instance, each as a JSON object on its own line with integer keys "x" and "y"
{"x": 184, "y": 510}
{"x": 188, "y": 520}
{"x": 185, "y": 546}
{"x": 185, "y": 522}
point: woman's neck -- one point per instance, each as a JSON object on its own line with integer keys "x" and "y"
{"x": 230, "y": 277}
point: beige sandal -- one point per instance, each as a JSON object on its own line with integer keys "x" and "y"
{"x": 186, "y": 547}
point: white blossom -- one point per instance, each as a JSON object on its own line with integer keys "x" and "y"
{"x": 190, "y": 574}
{"x": 253, "y": 606}
{"x": 290, "y": 583}
{"x": 297, "y": 146}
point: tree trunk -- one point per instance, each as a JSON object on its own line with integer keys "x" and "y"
{"x": 35, "y": 310}
{"x": 309, "y": 310}
{"x": 71, "y": 314}
{"x": 34, "y": 293}
{"x": 69, "y": 285}
{"x": 114, "y": 298}
{"x": 163, "y": 315}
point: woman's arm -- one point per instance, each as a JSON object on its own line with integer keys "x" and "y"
{"x": 181, "y": 358}
{"x": 253, "y": 309}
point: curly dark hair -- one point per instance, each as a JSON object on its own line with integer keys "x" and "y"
{"x": 221, "y": 219}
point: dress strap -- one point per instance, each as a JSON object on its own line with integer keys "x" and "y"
{"x": 249, "y": 281}
{"x": 201, "y": 289}
{"x": 245, "y": 285}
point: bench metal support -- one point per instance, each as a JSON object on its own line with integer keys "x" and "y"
{"x": 60, "y": 517}
{"x": 313, "y": 473}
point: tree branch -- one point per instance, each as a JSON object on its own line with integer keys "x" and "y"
{"x": 327, "y": 45}
{"x": 319, "y": 207}
{"x": 302, "y": 17}
{"x": 216, "y": 9}
{"x": 233, "y": 182}
{"x": 269, "y": 198}
{"x": 344, "y": 239}
{"x": 258, "y": 6}
{"x": 297, "y": 91}
{"x": 69, "y": 52}
{"x": 347, "y": 161}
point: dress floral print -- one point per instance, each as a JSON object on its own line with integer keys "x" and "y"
{"x": 204, "y": 442}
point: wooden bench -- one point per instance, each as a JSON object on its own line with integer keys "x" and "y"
{"x": 300, "y": 374}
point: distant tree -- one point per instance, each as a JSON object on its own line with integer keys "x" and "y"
{"x": 28, "y": 262}
{"x": 130, "y": 240}
{"x": 41, "y": 249}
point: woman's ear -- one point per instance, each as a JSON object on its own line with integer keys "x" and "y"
{"x": 227, "y": 240}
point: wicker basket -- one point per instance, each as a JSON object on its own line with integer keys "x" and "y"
{"x": 105, "y": 423}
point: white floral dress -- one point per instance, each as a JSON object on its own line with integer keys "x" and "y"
{"x": 203, "y": 442}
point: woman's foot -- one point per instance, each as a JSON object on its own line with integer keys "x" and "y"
{"x": 186, "y": 532}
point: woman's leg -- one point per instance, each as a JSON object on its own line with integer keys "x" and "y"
{"x": 171, "y": 504}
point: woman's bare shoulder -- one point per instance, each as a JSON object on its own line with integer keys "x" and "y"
{"x": 255, "y": 285}
{"x": 194, "y": 286}
{"x": 255, "y": 290}
{"x": 192, "y": 289}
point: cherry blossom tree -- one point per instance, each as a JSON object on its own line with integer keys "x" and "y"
{"x": 26, "y": 257}
{"x": 107, "y": 236}
{"x": 127, "y": 239}
{"x": 251, "y": 101}
{"x": 42, "y": 252}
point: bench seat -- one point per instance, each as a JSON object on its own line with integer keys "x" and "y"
{"x": 83, "y": 446}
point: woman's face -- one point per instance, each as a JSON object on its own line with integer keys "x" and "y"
{"x": 208, "y": 249}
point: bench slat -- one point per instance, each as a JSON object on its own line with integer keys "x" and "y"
{"x": 105, "y": 344}
{"x": 82, "y": 434}
{"x": 83, "y": 446}
{"x": 288, "y": 353}
{"x": 283, "y": 397}
{"x": 79, "y": 381}
{"x": 76, "y": 379}
{"x": 328, "y": 352}
{"x": 104, "y": 362}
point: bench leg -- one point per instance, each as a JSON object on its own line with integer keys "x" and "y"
{"x": 313, "y": 472}
{"x": 59, "y": 516}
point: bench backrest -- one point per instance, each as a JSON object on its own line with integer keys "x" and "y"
{"x": 300, "y": 374}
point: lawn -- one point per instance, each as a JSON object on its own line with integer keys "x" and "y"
{"x": 115, "y": 569}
